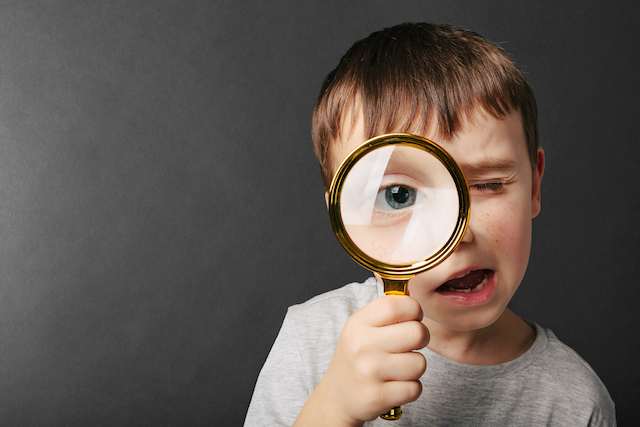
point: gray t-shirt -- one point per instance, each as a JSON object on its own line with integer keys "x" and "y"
{"x": 549, "y": 385}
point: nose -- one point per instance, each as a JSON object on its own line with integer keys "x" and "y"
{"x": 468, "y": 235}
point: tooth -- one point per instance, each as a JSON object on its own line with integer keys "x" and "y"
{"x": 462, "y": 275}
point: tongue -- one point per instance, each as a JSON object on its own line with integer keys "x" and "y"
{"x": 469, "y": 281}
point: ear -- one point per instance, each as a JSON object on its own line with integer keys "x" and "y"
{"x": 535, "y": 183}
{"x": 326, "y": 198}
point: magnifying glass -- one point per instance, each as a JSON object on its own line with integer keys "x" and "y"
{"x": 399, "y": 205}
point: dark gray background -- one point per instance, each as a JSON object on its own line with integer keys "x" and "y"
{"x": 160, "y": 205}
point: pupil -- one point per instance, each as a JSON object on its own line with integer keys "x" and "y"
{"x": 400, "y": 196}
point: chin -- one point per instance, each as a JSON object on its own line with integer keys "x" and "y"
{"x": 471, "y": 320}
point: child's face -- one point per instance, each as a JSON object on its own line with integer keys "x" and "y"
{"x": 505, "y": 196}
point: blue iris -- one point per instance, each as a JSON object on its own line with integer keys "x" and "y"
{"x": 400, "y": 196}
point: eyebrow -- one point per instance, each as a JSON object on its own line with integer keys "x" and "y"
{"x": 489, "y": 165}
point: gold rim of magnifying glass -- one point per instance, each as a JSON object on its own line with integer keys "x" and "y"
{"x": 399, "y": 271}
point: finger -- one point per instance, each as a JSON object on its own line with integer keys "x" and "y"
{"x": 391, "y": 309}
{"x": 403, "y": 367}
{"x": 403, "y": 337}
{"x": 398, "y": 393}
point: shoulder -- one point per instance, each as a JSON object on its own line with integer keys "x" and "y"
{"x": 324, "y": 315}
{"x": 347, "y": 299}
{"x": 566, "y": 362}
{"x": 571, "y": 380}
{"x": 302, "y": 352}
{"x": 311, "y": 330}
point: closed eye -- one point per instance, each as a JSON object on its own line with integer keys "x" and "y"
{"x": 484, "y": 187}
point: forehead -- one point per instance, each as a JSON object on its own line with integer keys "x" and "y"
{"x": 483, "y": 142}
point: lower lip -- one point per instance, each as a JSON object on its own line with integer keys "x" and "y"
{"x": 472, "y": 298}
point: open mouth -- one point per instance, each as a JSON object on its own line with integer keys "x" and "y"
{"x": 473, "y": 281}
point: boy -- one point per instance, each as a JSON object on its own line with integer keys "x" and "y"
{"x": 452, "y": 347}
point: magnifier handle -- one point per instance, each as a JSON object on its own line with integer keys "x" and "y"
{"x": 393, "y": 414}
{"x": 394, "y": 287}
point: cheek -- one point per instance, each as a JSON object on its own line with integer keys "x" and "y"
{"x": 507, "y": 229}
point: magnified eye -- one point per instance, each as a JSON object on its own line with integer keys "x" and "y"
{"x": 395, "y": 197}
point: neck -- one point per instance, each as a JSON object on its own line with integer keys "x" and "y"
{"x": 506, "y": 339}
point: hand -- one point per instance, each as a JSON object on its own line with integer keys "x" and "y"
{"x": 373, "y": 367}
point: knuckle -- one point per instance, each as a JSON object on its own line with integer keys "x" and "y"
{"x": 414, "y": 389}
{"x": 420, "y": 364}
{"x": 378, "y": 311}
{"x": 414, "y": 365}
{"x": 426, "y": 335}
{"x": 357, "y": 351}
{"x": 393, "y": 309}
{"x": 419, "y": 334}
{"x": 367, "y": 369}
{"x": 399, "y": 393}
{"x": 353, "y": 342}
{"x": 416, "y": 308}
{"x": 390, "y": 310}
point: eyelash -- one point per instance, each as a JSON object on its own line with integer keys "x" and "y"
{"x": 488, "y": 186}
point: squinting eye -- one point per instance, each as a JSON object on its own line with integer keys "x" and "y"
{"x": 488, "y": 186}
{"x": 395, "y": 197}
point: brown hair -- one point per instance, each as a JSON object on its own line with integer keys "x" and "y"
{"x": 403, "y": 75}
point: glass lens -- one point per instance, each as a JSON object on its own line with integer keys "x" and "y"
{"x": 399, "y": 204}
